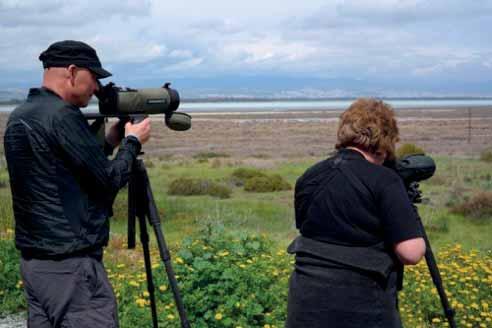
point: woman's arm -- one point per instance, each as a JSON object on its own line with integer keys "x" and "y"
{"x": 410, "y": 251}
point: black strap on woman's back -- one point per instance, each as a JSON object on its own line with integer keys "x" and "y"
{"x": 309, "y": 188}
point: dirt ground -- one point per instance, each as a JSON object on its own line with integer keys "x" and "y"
{"x": 300, "y": 134}
{"x": 453, "y": 131}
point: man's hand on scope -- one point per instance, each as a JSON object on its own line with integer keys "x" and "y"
{"x": 140, "y": 130}
{"x": 116, "y": 133}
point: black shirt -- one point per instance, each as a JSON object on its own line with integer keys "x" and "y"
{"x": 353, "y": 203}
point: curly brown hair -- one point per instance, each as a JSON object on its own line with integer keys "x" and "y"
{"x": 368, "y": 124}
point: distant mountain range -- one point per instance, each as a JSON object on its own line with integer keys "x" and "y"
{"x": 288, "y": 87}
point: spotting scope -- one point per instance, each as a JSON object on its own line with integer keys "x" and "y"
{"x": 412, "y": 169}
{"x": 128, "y": 104}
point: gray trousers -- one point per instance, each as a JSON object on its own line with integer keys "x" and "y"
{"x": 73, "y": 292}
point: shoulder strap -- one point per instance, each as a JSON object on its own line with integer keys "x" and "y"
{"x": 354, "y": 180}
{"x": 304, "y": 198}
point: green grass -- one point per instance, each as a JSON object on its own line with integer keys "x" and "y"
{"x": 272, "y": 213}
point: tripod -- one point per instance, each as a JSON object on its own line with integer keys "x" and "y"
{"x": 416, "y": 197}
{"x": 141, "y": 204}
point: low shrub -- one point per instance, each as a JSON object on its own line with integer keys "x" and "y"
{"x": 486, "y": 156}
{"x": 478, "y": 206}
{"x": 408, "y": 149}
{"x": 193, "y": 186}
{"x": 267, "y": 183}
{"x": 240, "y": 175}
{"x": 226, "y": 280}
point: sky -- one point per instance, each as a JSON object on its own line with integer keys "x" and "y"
{"x": 263, "y": 47}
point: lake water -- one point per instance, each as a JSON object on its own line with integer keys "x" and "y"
{"x": 307, "y": 105}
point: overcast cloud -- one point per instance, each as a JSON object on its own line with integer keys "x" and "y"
{"x": 382, "y": 42}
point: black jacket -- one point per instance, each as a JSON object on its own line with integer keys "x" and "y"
{"x": 63, "y": 186}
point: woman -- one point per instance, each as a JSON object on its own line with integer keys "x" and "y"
{"x": 357, "y": 228}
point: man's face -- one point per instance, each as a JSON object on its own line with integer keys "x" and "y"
{"x": 84, "y": 84}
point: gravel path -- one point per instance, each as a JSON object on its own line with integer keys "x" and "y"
{"x": 13, "y": 321}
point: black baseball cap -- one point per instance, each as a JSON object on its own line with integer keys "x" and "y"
{"x": 69, "y": 52}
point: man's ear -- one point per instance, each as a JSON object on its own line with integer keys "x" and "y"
{"x": 72, "y": 70}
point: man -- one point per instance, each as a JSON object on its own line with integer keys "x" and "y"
{"x": 63, "y": 188}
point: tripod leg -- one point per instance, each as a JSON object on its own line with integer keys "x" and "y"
{"x": 436, "y": 276}
{"x": 132, "y": 210}
{"x": 145, "y": 207}
{"x": 144, "y": 238}
{"x": 154, "y": 220}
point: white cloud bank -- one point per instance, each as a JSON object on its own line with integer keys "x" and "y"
{"x": 390, "y": 39}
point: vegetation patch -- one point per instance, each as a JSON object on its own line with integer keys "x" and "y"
{"x": 408, "y": 149}
{"x": 486, "y": 156}
{"x": 478, "y": 206}
{"x": 240, "y": 175}
{"x": 267, "y": 183}
{"x": 237, "y": 279}
{"x": 11, "y": 293}
{"x": 209, "y": 154}
{"x": 193, "y": 186}
{"x": 6, "y": 212}
{"x": 437, "y": 180}
{"x": 438, "y": 224}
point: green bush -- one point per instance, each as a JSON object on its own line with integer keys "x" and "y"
{"x": 408, "y": 149}
{"x": 193, "y": 186}
{"x": 11, "y": 293}
{"x": 240, "y": 175}
{"x": 478, "y": 206}
{"x": 486, "y": 156}
{"x": 226, "y": 280}
{"x": 267, "y": 184}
